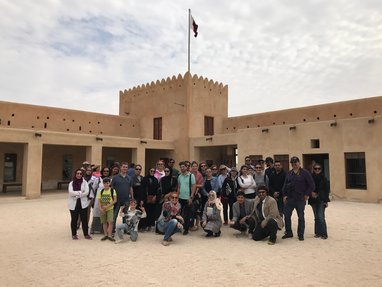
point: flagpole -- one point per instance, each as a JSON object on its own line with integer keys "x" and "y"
{"x": 189, "y": 29}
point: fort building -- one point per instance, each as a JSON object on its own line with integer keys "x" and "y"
{"x": 186, "y": 117}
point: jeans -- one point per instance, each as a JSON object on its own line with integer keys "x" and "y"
{"x": 124, "y": 227}
{"x": 319, "y": 219}
{"x": 299, "y": 205}
{"x": 269, "y": 230}
{"x": 168, "y": 228}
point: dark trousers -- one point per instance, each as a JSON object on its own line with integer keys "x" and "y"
{"x": 319, "y": 219}
{"x": 269, "y": 230}
{"x": 299, "y": 205}
{"x": 83, "y": 214}
{"x": 151, "y": 214}
{"x": 250, "y": 223}
{"x": 187, "y": 214}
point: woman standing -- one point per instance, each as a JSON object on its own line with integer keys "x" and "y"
{"x": 78, "y": 203}
{"x": 150, "y": 189}
{"x": 137, "y": 183}
{"x": 229, "y": 191}
{"x": 211, "y": 220}
{"x": 159, "y": 172}
{"x": 319, "y": 202}
{"x": 246, "y": 182}
{"x": 168, "y": 184}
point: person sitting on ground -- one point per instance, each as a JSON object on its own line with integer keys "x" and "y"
{"x": 107, "y": 197}
{"x": 170, "y": 221}
{"x": 211, "y": 219}
{"x": 267, "y": 216}
{"x": 132, "y": 216}
{"x": 242, "y": 211}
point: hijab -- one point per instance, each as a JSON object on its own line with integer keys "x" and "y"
{"x": 214, "y": 200}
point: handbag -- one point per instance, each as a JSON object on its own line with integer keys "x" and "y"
{"x": 151, "y": 199}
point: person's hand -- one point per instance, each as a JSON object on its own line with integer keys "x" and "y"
{"x": 314, "y": 194}
{"x": 203, "y": 224}
{"x": 276, "y": 194}
{"x": 141, "y": 203}
{"x": 143, "y": 209}
{"x": 180, "y": 219}
{"x": 190, "y": 201}
{"x": 263, "y": 224}
{"x": 285, "y": 199}
{"x": 306, "y": 197}
{"x": 242, "y": 221}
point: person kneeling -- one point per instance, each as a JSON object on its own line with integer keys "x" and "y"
{"x": 211, "y": 219}
{"x": 242, "y": 211}
{"x": 170, "y": 221}
{"x": 269, "y": 219}
{"x": 132, "y": 216}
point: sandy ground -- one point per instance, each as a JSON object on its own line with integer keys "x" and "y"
{"x": 37, "y": 250}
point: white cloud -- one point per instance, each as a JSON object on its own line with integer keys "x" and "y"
{"x": 272, "y": 54}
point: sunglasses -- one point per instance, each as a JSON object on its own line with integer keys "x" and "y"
{"x": 166, "y": 170}
{"x": 106, "y": 170}
{"x": 174, "y": 197}
{"x": 258, "y": 167}
{"x": 138, "y": 169}
{"x": 317, "y": 168}
{"x": 152, "y": 171}
{"x": 79, "y": 173}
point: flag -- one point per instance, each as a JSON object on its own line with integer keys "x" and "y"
{"x": 194, "y": 26}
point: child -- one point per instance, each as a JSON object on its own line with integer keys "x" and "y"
{"x": 132, "y": 216}
{"x": 107, "y": 197}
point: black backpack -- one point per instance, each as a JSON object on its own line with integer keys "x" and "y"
{"x": 112, "y": 192}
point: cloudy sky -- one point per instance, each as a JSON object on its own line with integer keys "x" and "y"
{"x": 272, "y": 54}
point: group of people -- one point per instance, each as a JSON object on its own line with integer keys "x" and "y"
{"x": 255, "y": 200}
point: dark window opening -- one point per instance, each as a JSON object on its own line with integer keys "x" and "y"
{"x": 157, "y": 128}
{"x": 315, "y": 143}
{"x": 355, "y": 168}
{"x": 208, "y": 126}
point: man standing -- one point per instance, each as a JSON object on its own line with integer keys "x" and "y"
{"x": 276, "y": 183}
{"x": 175, "y": 172}
{"x": 122, "y": 183}
{"x": 297, "y": 188}
{"x": 267, "y": 214}
{"x": 186, "y": 191}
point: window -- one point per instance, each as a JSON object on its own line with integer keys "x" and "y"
{"x": 157, "y": 128}
{"x": 283, "y": 159}
{"x": 355, "y": 168}
{"x": 10, "y": 165}
{"x": 315, "y": 143}
{"x": 208, "y": 126}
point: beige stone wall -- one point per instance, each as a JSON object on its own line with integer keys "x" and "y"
{"x": 38, "y": 118}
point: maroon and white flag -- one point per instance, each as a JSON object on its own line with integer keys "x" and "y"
{"x": 194, "y": 26}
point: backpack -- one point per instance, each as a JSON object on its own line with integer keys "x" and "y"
{"x": 112, "y": 192}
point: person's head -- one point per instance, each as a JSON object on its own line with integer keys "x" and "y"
{"x": 174, "y": 197}
{"x": 258, "y": 168}
{"x": 262, "y": 192}
{"x": 160, "y": 165}
{"x": 278, "y": 166}
{"x": 115, "y": 170}
{"x": 151, "y": 171}
{"x": 183, "y": 167}
{"x": 214, "y": 169}
{"x": 240, "y": 197}
{"x": 106, "y": 182}
{"x": 233, "y": 172}
{"x": 244, "y": 170}
{"x": 269, "y": 161}
{"x": 138, "y": 169}
{"x": 132, "y": 165}
{"x": 202, "y": 167}
{"x": 262, "y": 163}
{"x": 105, "y": 172}
{"x": 295, "y": 162}
{"x": 89, "y": 170}
{"x": 132, "y": 204}
{"x": 96, "y": 168}
{"x": 188, "y": 165}
{"x": 124, "y": 167}
{"x": 78, "y": 173}
{"x": 251, "y": 170}
{"x": 247, "y": 160}
{"x": 171, "y": 162}
{"x": 317, "y": 169}
{"x": 85, "y": 164}
{"x": 168, "y": 171}
{"x": 194, "y": 166}
{"x": 223, "y": 169}
{"x": 212, "y": 196}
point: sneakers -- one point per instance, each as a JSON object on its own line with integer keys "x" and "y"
{"x": 104, "y": 238}
{"x": 165, "y": 243}
{"x": 88, "y": 237}
{"x": 111, "y": 239}
{"x": 271, "y": 242}
{"x": 75, "y": 237}
{"x": 317, "y": 236}
{"x": 285, "y": 236}
{"x": 301, "y": 238}
{"x": 217, "y": 234}
{"x": 185, "y": 232}
{"x": 324, "y": 237}
{"x": 170, "y": 239}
